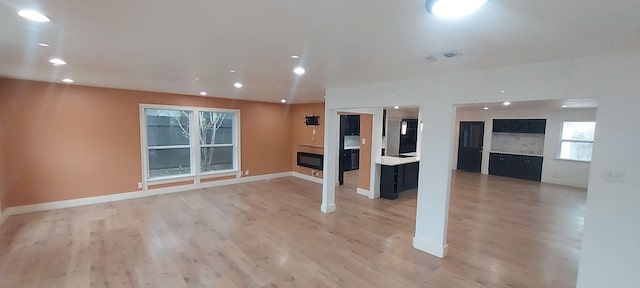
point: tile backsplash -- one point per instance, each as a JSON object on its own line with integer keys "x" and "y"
{"x": 519, "y": 143}
{"x": 352, "y": 141}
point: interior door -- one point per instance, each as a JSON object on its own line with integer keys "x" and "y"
{"x": 470, "y": 146}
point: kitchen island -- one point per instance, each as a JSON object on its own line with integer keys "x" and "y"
{"x": 398, "y": 173}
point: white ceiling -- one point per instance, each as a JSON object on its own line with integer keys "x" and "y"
{"x": 164, "y": 45}
{"x": 532, "y": 105}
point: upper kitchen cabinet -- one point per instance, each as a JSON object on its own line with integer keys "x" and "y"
{"x": 534, "y": 126}
{"x": 352, "y": 125}
{"x": 408, "y": 135}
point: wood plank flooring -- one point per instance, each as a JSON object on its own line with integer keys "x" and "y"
{"x": 502, "y": 233}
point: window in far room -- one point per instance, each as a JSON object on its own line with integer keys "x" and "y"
{"x": 577, "y": 141}
{"x": 188, "y": 141}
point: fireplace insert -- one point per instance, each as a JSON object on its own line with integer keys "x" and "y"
{"x": 310, "y": 160}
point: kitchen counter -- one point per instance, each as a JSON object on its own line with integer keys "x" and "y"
{"x": 516, "y": 153}
{"x": 395, "y": 161}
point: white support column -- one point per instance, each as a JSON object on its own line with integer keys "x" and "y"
{"x": 329, "y": 179}
{"x": 434, "y": 181}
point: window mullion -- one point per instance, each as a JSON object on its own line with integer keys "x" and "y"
{"x": 195, "y": 143}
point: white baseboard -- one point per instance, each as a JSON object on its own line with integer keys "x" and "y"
{"x": 132, "y": 195}
{"x": 365, "y": 192}
{"x": 3, "y": 216}
{"x": 433, "y": 249}
{"x": 565, "y": 183}
{"x": 328, "y": 208}
{"x": 307, "y": 177}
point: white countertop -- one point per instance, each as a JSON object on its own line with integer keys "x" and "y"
{"x": 395, "y": 161}
{"x": 516, "y": 153}
{"x": 352, "y": 148}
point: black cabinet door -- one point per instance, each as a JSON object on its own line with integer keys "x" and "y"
{"x": 536, "y": 126}
{"x": 355, "y": 159}
{"x": 411, "y": 175}
{"x": 346, "y": 160}
{"x": 531, "y": 168}
{"x": 353, "y": 124}
{"x": 409, "y": 140}
{"x": 498, "y": 164}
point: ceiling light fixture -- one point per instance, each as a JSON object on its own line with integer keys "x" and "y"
{"x": 299, "y": 71}
{"x": 68, "y": 80}
{"x": 454, "y": 8}
{"x": 486, "y": 108}
{"x": 403, "y": 127}
{"x": 232, "y": 71}
{"x": 502, "y": 91}
{"x": 396, "y": 107}
{"x": 295, "y": 56}
{"x": 506, "y": 103}
{"x": 238, "y": 85}
{"x": 203, "y": 93}
{"x": 283, "y": 101}
{"x": 43, "y": 44}
{"x": 57, "y": 61}
{"x": 34, "y": 16}
{"x": 564, "y": 106}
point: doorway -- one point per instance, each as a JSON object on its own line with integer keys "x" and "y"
{"x": 470, "y": 146}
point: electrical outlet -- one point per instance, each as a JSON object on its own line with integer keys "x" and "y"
{"x": 246, "y": 172}
{"x": 139, "y": 185}
{"x": 364, "y": 141}
{"x": 314, "y": 131}
{"x": 614, "y": 176}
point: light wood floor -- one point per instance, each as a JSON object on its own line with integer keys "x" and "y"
{"x": 502, "y": 233}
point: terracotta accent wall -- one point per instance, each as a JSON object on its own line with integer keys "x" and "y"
{"x": 63, "y": 142}
{"x": 303, "y": 134}
{"x": 366, "y": 130}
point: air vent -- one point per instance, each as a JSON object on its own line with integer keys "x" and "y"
{"x": 443, "y": 56}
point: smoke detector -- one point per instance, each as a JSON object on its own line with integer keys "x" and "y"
{"x": 443, "y": 56}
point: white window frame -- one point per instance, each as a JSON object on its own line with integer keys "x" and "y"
{"x": 562, "y": 140}
{"x": 194, "y": 144}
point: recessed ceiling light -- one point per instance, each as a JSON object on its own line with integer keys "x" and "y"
{"x": 502, "y": 91}
{"x": 295, "y": 56}
{"x": 283, "y": 101}
{"x": 34, "y": 16}
{"x": 454, "y": 8}
{"x": 564, "y": 106}
{"x": 486, "y": 108}
{"x": 299, "y": 71}
{"x": 232, "y": 71}
{"x": 68, "y": 80}
{"x": 197, "y": 79}
{"x": 56, "y": 61}
{"x": 203, "y": 93}
{"x": 43, "y": 44}
{"x": 238, "y": 85}
{"x": 506, "y": 103}
{"x": 396, "y": 107}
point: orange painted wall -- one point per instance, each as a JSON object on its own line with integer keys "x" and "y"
{"x": 64, "y": 142}
{"x": 303, "y": 134}
{"x": 366, "y": 127}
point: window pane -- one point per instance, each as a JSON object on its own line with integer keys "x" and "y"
{"x": 216, "y": 158}
{"x": 576, "y": 151}
{"x": 169, "y": 162}
{"x": 582, "y": 131}
{"x": 167, "y": 127}
{"x": 216, "y": 128}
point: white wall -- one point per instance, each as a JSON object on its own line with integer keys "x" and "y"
{"x": 610, "y": 253}
{"x": 564, "y": 172}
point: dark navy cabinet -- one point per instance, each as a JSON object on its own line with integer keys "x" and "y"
{"x": 398, "y": 178}
{"x": 516, "y": 166}
{"x": 535, "y": 126}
